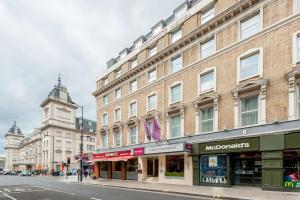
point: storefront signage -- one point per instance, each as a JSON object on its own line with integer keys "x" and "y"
{"x": 112, "y": 154}
{"x": 178, "y": 147}
{"x": 98, "y": 156}
{"x": 124, "y": 153}
{"x": 237, "y": 145}
{"x": 228, "y": 146}
{"x": 138, "y": 151}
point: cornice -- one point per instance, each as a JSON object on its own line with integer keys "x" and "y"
{"x": 185, "y": 40}
{"x": 49, "y": 98}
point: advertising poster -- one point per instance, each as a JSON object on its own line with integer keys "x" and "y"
{"x": 213, "y": 161}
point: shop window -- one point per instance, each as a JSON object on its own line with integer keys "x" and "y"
{"x": 175, "y": 166}
{"x": 175, "y": 126}
{"x": 104, "y": 168}
{"x": 131, "y": 169}
{"x": 250, "y": 26}
{"x": 213, "y": 169}
{"x": 249, "y": 111}
{"x": 207, "y": 48}
{"x": 116, "y": 170}
{"x": 207, "y": 119}
{"x": 291, "y": 166}
{"x": 176, "y": 64}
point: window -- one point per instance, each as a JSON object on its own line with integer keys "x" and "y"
{"x": 207, "y": 119}
{"x": 134, "y": 63}
{"x": 152, "y": 102}
{"x": 58, "y": 143}
{"x": 117, "y": 114}
{"x": 118, "y": 93}
{"x": 213, "y": 169}
{"x": 176, "y": 93}
{"x": 298, "y": 5}
{"x": 117, "y": 138}
{"x": 133, "y": 86}
{"x": 207, "y": 48}
{"x": 133, "y": 135}
{"x": 105, "y": 119}
{"x": 249, "y": 111}
{"x": 175, "y": 166}
{"x": 207, "y": 81}
{"x": 117, "y": 73}
{"x": 176, "y": 64}
{"x": 298, "y": 47}
{"x": 68, "y": 145}
{"x": 104, "y": 140}
{"x": 179, "y": 13}
{"x": 105, "y": 81}
{"x": 250, "y": 26}
{"x": 90, "y": 147}
{"x": 132, "y": 111}
{"x": 152, "y": 75}
{"x": 152, "y": 51}
{"x": 249, "y": 66}
{"x": 175, "y": 126}
{"x": 207, "y": 14}
{"x": 157, "y": 29}
{"x": 176, "y": 35}
{"x": 105, "y": 100}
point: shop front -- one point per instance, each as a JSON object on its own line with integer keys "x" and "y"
{"x": 166, "y": 163}
{"x": 225, "y": 163}
{"x": 116, "y": 165}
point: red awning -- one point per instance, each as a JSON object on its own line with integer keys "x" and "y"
{"x": 121, "y": 158}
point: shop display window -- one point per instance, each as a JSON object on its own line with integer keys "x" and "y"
{"x": 175, "y": 166}
{"x": 116, "y": 170}
{"x": 291, "y": 166}
{"x": 104, "y": 168}
{"x": 131, "y": 169}
{"x": 213, "y": 169}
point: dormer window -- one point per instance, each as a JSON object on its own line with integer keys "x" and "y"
{"x": 176, "y": 35}
{"x": 123, "y": 54}
{"x": 156, "y": 29}
{"x": 180, "y": 12}
{"x": 138, "y": 42}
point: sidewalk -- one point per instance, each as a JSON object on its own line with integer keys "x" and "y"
{"x": 233, "y": 193}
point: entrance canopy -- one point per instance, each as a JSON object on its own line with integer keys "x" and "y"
{"x": 121, "y": 158}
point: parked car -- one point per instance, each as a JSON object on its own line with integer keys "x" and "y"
{"x": 14, "y": 173}
{"x": 25, "y": 173}
{"x": 55, "y": 173}
{"x": 7, "y": 172}
{"x": 1, "y": 171}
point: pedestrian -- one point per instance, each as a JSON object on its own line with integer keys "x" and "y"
{"x": 85, "y": 173}
{"x": 78, "y": 174}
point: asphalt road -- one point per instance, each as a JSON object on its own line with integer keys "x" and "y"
{"x": 48, "y": 188}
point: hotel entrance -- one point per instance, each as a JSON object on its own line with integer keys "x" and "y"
{"x": 152, "y": 167}
{"x": 247, "y": 169}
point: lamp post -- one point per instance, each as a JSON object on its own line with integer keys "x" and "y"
{"x": 81, "y": 144}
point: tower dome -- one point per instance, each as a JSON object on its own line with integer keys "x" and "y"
{"x": 14, "y": 130}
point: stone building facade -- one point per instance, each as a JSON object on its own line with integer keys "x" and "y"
{"x": 221, "y": 76}
{"x": 56, "y": 140}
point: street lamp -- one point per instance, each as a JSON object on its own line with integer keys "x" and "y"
{"x": 81, "y": 144}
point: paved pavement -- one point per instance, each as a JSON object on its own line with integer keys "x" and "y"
{"x": 48, "y": 188}
{"x": 237, "y": 192}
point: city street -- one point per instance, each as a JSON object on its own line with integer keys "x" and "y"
{"x": 49, "y": 188}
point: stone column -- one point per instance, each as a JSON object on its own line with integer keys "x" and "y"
{"x": 182, "y": 121}
{"x": 236, "y": 109}
{"x": 216, "y": 114}
{"x": 196, "y": 119}
{"x": 263, "y": 106}
{"x": 292, "y": 96}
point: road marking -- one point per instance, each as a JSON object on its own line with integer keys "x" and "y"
{"x": 95, "y": 198}
{"x": 12, "y": 198}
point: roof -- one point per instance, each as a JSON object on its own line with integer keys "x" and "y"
{"x": 88, "y": 125}
{"x": 14, "y": 130}
{"x": 58, "y": 89}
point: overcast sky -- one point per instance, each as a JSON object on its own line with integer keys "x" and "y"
{"x": 41, "y": 38}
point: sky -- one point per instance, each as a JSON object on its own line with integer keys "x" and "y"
{"x": 40, "y": 39}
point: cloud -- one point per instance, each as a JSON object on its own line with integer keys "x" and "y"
{"x": 40, "y": 39}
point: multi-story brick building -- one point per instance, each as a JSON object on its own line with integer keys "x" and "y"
{"x": 222, "y": 75}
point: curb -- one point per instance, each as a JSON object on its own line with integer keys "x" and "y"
{"x": 213, "y": 196}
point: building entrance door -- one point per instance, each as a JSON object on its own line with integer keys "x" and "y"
{"x": 152, "y": 167}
